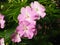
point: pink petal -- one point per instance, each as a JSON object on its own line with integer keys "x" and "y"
{"x": 16, "y": 38}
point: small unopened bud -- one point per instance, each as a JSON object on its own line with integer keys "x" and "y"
{"x": 22, "y": 0}
{"x": 2, "y": 6}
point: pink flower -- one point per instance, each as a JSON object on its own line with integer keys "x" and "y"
{"x": 27, "y": 19}
{"x": 38, "y": 8}
{"x": 2, "y": 21}
{"x": 27, "y": 22}
{"x": 26, "y": 30}
{"x": 2, "y": 41}
{"x": 27, "y": 14}
{"x": 16, "y": 37}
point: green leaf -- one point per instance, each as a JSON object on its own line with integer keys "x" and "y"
{"x": 15, "y": 15}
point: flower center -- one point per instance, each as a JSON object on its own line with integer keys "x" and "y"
{"x": 36, "y": 9}
{"x": 27, "y": 15}
{"x": 25, "y": 27}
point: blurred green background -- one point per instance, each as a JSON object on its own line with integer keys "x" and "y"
{"x": 49, "y": 34}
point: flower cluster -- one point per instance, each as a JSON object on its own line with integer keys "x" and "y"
{"x": 27, "y": 21}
